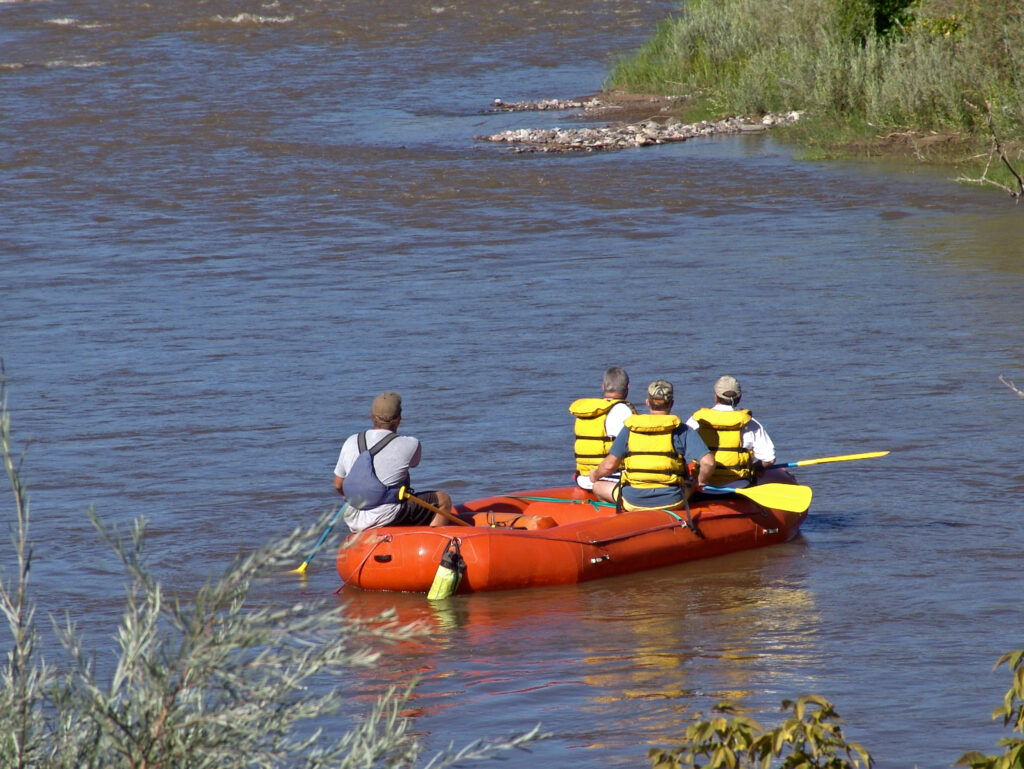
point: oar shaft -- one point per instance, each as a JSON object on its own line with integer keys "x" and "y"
{"x": 404, "y": 493}
{"x": 327, "y": 531}
{"x": 824, "y": 460}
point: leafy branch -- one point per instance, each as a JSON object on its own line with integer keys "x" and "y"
{"x": 811, "y": 738}
{"x": 1012, "y": 712}
{"x": 22, "y": 736}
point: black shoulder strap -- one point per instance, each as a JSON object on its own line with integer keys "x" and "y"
{"x": 378, "y": 446}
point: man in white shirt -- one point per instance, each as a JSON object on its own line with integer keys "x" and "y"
{"x": 598, "y": 421}
{"x": 741, "y": 444}
{"x": 373, "y": 465}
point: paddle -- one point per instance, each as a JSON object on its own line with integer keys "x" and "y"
{"x": 404, "y": 493}
{"x": 778, "y": 496}
{"x": 334, "y": 520}
{"x": 823, "y": 460}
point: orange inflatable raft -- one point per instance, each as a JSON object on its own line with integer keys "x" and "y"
{"x": 556, "y": 537}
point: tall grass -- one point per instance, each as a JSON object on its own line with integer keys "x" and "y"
{"x": 942, "y": 66}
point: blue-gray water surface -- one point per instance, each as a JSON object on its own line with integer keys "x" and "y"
{"x": 225, "y": 226}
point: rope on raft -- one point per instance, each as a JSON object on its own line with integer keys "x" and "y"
{"x": 380, "y": 540}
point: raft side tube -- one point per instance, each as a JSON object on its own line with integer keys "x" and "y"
{"x": 578, "y": 541}
{"x": 399, "y": 559}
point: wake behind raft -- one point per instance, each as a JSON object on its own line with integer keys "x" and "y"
{"x": 562, "y": 536}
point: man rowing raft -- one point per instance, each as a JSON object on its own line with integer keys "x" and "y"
{"x": 372, "y": 468}
{"x": 740, "y": 443}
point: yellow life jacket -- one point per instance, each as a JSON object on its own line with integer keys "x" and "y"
{"x": 592, "y": 440}
{"x": 722, "y": 432}
{"x": 651, "y": 461}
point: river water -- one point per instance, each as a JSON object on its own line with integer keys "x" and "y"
{"x": 225, "y": 226}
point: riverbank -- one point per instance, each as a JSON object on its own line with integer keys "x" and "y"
{"x": 933, "y": 81}
{"x": 641, "y": 120}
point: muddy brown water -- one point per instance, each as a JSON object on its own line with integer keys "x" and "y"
{"x": 225, "y": 226}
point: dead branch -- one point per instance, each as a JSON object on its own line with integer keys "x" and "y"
{"x": 996, "y": 151}
{"x": 1011, "y": 385}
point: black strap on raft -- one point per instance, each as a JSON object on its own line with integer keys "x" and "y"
{"x": 688, "y": 481}
{"x": 689, "y": 518}
{"x": 451, "y": 558}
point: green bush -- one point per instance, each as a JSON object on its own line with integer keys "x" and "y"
{"x": 811, "y": 738}
{"x": 890, "y": 15}
{"x": 949, "y": 66}
{"x": 1011, "y": 712}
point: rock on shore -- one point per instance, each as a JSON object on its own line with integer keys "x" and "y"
{"x": 653, "y": 130}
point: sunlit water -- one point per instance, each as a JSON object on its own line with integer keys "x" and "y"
{"x": 226, "y": 226}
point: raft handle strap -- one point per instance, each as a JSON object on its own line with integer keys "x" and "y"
{"x": 689, "y": 518}
{"x": 380, "y": 540}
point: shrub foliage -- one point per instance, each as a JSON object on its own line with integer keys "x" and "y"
{"x": 952, "y": 66}
{"x": 1011, "y": 712}
{"x": 811, "y": 738}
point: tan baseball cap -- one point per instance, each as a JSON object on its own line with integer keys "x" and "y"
{"x": 728, "y": 387}
{"x": 660, "y": 390}
{"x": 387, "y": 407}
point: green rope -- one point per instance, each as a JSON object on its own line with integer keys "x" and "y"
{"x": 596, "y": 505}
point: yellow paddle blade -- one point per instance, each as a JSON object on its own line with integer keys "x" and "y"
{"x": 779, "y": 496}
{"x": 301, "y": 569}
{"x": 844, "y": 458}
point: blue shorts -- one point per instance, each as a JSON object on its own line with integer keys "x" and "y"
{"x": 663, "y": 496}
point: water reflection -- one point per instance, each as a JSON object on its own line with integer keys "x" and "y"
{"x": 641, "y": 650}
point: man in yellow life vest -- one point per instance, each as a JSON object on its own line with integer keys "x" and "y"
{"x": 654, "y": 451}
{"x": 740, "y": 444}
{"x": 598, "y": 421}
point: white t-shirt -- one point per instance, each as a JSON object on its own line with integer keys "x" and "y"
{"x": 391, "y": 465}
{"x": 614, "y": 421}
